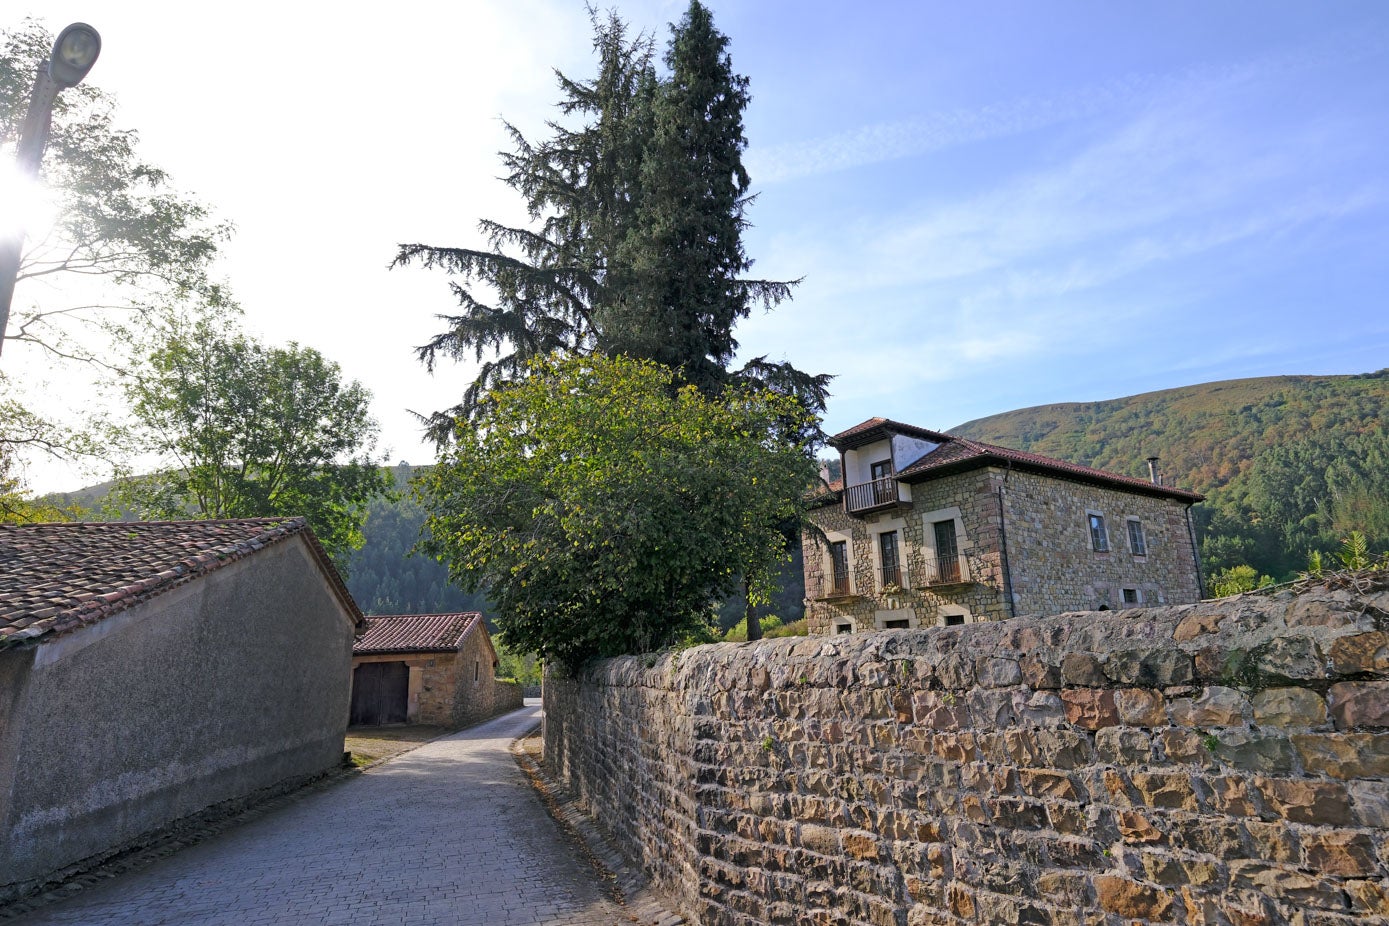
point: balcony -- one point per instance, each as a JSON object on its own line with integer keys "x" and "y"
{"x": 946, "y": 570}
{"x": 866, "y": 496}
{"x": 832, "y": 587}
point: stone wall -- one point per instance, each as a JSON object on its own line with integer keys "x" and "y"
{"x": 1223, "y": 762}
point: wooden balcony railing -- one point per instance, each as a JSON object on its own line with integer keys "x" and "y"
{"x": 874, "y": 494}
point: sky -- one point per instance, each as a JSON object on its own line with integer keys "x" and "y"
{"x": 989, "y": 205}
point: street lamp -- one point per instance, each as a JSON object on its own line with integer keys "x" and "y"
{"x": 74, "y": 53}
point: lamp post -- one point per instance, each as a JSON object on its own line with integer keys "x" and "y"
{"x": 74, "y": 52}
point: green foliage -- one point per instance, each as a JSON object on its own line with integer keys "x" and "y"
{"x": 121, "y": 238}
{"x": 1355, "y": 552}
{"x": 1237, "y": 579}
{"x": 798, "y": 628}
{"x": 1288, "y": 463}
{"x": 249, "y": 430}
{"x": 641, "y": 203}
{"x": 604, "y": 508}
{"x": 523, "y": 667}
{"x": 738, "y": 633}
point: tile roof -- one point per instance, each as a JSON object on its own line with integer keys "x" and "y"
{"x": 961, "y": 453}
{"x": 414, "y": 633}
{"x": 56, "y": 578}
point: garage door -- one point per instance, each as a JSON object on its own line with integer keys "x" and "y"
{"x": 379, "y": 692}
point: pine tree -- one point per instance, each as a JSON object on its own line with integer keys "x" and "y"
{"x": 580, "y": 185}
{"x": 639, "y": 252}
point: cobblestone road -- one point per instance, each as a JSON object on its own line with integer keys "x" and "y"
{"x": 451, "y": 833}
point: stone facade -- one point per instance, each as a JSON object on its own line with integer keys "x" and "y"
{"x": 1025, "y": 547}
{"x": 456, "y": 687}
{"x": 1222, "y": 762}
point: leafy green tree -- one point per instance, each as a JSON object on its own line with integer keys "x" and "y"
{"x": 1238, "y": 579}
{"x": 122, "y": 239}
{"x": 247, "y": 430}
{"x": 638, "y": 251}
{"x": 605, "y": 508}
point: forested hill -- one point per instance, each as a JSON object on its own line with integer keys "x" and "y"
{"x": 1288, "y": 462}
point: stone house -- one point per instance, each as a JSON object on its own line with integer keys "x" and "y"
{"x": 151, "y": 670}
{"x": 927, "y": 528}
{"x": 435, "y": 669}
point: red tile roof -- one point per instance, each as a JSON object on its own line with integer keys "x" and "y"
{"x": 56, "y": 578}
{"x": 414, "y": 633}
{"x": 955, "y": 453}
{"x": 962, "y": 453}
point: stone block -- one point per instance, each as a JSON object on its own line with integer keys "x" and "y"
{"x": 1090, "y": 708}
{"x": 997, "y": 672}
{"x": 1289, "y": 707}
{"x": 1141, "y": 707}
{"x": 1231, "y": 796}
{"x": 940, "y": 710}
{"x": 1123, "y": 746}
{"x": 1195, "y": 625}
{"x": 1321, "y": 802}
{"x": 1344, "y": 755}
{"x": 1082, "y": 670}
{"x": 1166, "y": 790}
{"x": 1137, "y": 827}
{"x": 1255, "y": 752}
{"x": 1286, "y": 884}
{"x": 1274, "y": 841}
{"x": 1151, "y": 668}
{"x": 1217, "y": 706}
{"x": 1361, "y": 652}
{"x": 1049, "y": 785}
{"x": 1360, "y": 705}
{"x": 1342, "y": 853}
{"x": 1037, "y": 673}
{"x": 1038, "y": 708}
{"x": 1368, "y": 898}
{"x": 1370, "y": 802}
{"x": 1127, "y": 898}
{"x": 1287, "y": 659}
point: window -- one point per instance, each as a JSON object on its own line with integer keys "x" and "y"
{"x": 891, "y": 565}
{"x": 952, "y": 620}
{"x": 884, "y": 490}
{"x": 839, "y": 568}
{"x": 1099, "y": 538}
{"x": 900, "y": 623}
{"x": 1132, "y": 596}
{"x": 844, "y": 628}
{"x": 947, "y": 552}
{"x": 1138, "y": 544}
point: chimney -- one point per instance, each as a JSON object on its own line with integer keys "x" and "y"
{"x": 1153, "y": 471}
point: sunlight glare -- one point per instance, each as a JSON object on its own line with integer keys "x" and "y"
{"x": 27, "y": 206}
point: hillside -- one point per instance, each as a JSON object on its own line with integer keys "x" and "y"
{"x": 1288, "y": 462}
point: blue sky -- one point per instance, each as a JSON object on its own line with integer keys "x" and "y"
{"x": 993, "y": 205}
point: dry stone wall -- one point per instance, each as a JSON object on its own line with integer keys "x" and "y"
{"x": 1223, "y": 762}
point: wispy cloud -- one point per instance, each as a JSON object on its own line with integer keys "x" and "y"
{"x": 888, "y": 141}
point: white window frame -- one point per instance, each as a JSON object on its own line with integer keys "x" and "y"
{"x": 928, "y": 537}
{"x": 881, "y": 617}
{"x": 875, "y": 550}
{"x": 839, "y": 622}
{"x": 1142, "y": 534}
{"x": 1090, "y": 531}
{"x": 827, "y": 560}
{"x": 953, "y": 610}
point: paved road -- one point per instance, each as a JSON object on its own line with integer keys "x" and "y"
{"x": 450, "y": 833}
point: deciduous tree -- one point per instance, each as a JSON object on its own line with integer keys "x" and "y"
{"x": 248, "y": 430}
{"x": 606, "y": 508}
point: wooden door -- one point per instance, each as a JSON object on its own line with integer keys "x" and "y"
{"x": 379, "y": 693}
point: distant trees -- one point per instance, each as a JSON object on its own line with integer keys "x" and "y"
{"x": 606, "y": 509}
{"x": 246, "y": 430}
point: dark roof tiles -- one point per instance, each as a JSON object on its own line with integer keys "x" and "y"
{"x": 962, "y": 453}
{"x": 55, "y": 578}
{"x": 414, "y": 633}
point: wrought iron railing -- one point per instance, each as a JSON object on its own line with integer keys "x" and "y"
{"x": 946, "y": 570}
